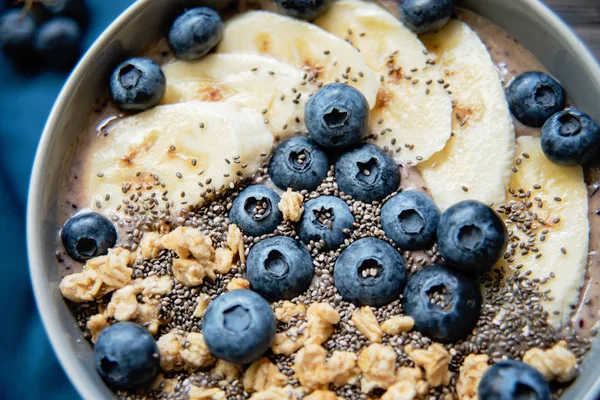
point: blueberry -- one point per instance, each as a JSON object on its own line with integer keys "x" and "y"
{"x": 76, "y": 10}
{"x": 337, "y": 116}
{"x": 533, "y": 97}
{"x": 571, "y": 138}
{"x": 444, "y": 303}
{"x": 367, "y": 174}
{"x": 239, "y": 326}
{"x": 513, "y": 380}
{"x": 303, "y": 9}
{"x": 126, "y": 355}
{"x": 410, "y": 219}
{"x": 370, "y": 272}
{"x": 256, "y": 211}
{"x": 423, "y": 16}
{"x": 137, "y": 85}
{"x": 471, "y": 236}
{"x": 87, "y": 236}
{"x": 17, "y": 33}
{"x": 325, "y": 218}
{"x": 298, "y": 163}
{"x": 195, "y": 33}
{"x": 279, "y": 268}
{"x": 58, "y": 42}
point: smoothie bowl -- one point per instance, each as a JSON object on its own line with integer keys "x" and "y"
{"x": 328, "y": 199}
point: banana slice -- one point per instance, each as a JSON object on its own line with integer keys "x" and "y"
{"x": 249, "y": 80}
{"x": 563, "y": 227}
{"x": 476, "y": 162}
{"x": 411, "y": 102}
{"x": 324, "y": 57}
{"x": 179, "y": 145}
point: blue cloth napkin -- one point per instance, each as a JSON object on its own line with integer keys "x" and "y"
{"x": 28, "y": 366}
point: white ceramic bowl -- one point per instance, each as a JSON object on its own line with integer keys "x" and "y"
{"x": 534, "y": 25}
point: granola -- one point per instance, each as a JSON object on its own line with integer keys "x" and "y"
{"x": 321, "y": 318}
{"x": 471, "y": 372}
{"x": 556, "y": 364}
{"x": 290, "y": 205}
{"x": 365, "y": 321}
{"x": 378, "y": 366}
{"x": 261, "y": 375}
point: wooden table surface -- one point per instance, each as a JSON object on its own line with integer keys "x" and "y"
{"x": 583, "y": 16}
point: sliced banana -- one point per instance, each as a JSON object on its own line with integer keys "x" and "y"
{"x": 191, "y": 148}
{"x": 413, "y": 110}
{"x": 249, "y": 80}
{"x": 324, "y": 57}
{"x": 476, "y": 162}
{"x": 562, "y": 227}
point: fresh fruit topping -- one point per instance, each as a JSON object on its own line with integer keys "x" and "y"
{"x": 249, "y": 80}
{"x": 444, "y": 303}
{"x": 425, "y": 15}
{"x": 239, "y": 326}
{"x": 255, "y": 211}
{"x": 571, "y": 138}
{"x": 471, "y": 237}
{"x": 17, "y": 33}
{"x": 533, "y": 97}
{"x": 410, "y": 219}
{"x": 298, "y": 163}
{"x": 412, "y": 99}
{"x": 58, "y": 42}
{"x": 337, "y": 116}
{"x": 279, "y": 268}
{"x": 195, "y": 33}
{"x": 326, "y": 218}
{"x": 324, "y": 57}
{"x": 513, "y": 380}
{"x": 76, "y": 10}
{"x": 202, "y": 147}
{"x": 303, "y": 9}
{"x": 137, "y": 85}
{"x": 370, "y": 272}
{"x": 483, "y": 131}
{"x": 126, "y": 355}
{"x": 367, "y": 174}
{"x": 87, "y": 236}
{"x": 557, "y": 196}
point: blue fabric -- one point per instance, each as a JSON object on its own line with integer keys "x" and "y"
{"x": 28, "y": 366}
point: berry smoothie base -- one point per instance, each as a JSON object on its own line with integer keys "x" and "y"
{"x": 505, "y": 329}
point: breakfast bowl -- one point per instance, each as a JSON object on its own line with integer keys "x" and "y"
{"x": 143, "y": 25}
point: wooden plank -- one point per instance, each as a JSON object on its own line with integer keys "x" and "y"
{"x": 584, "y": 17}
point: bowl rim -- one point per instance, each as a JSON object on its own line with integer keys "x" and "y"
{"x": 42, "y": 292}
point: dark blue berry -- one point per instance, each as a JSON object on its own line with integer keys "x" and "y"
{"x": 17, "y": 33}
{"x": 513, "y": 380}
{"x": 58, "y": 42}
{"x": 239, "y": 326}
{"x": 533, "y": 97}
{"x": 279, "y": 268}
{"x": 76, "y": 10}
{"x": 571, "y": 138}
{"x": 138, "y": 84}
{"x": 126, "y": 355}
{"x": 410, "y": 219}
{"x": 325, "y": 218}
{"x": 471, "y": 236}
{"x": 444, "y": 303}
{"x": 367, "y": 174}
{"x": 87, "y": 236}
{"x": 337, "y": 116}
{"x": 422, "y": 16}
{"x": 256, "y": 211}
{"x": 370, "y": 272}
{"x": 195, "y": 33}
{"x": 303, "y": 9}
{"x": 298, "y": 163}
